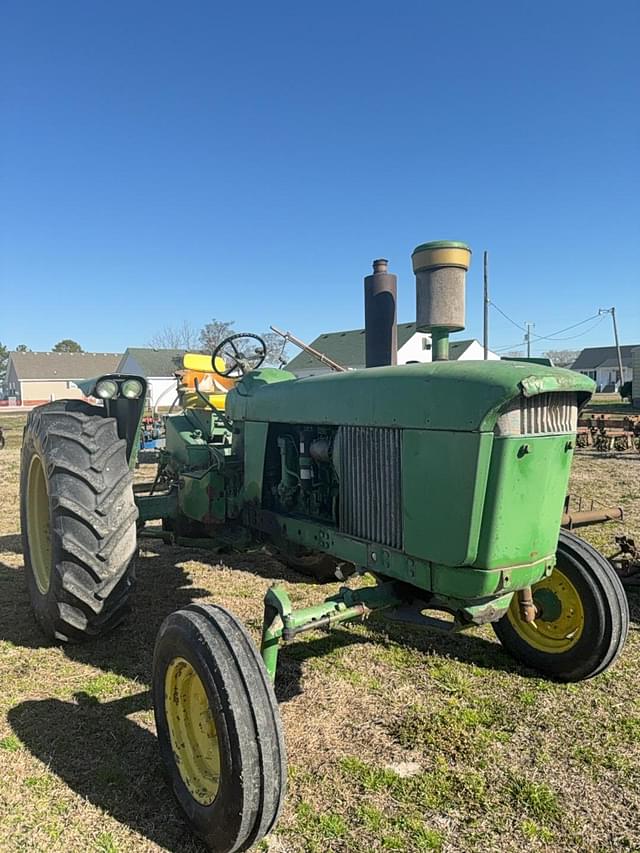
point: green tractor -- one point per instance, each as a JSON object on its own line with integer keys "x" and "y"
{"x": 443, "y": 481}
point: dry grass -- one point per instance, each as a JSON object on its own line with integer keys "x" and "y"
{"x": 398, "y": 739}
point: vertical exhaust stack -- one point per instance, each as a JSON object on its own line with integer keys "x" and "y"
{"x": 380, "y": 327}
{"x": 441, "y": 271}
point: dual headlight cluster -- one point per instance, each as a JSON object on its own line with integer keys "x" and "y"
{"x": 107, "y": 389}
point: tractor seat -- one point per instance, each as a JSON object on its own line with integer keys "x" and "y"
{"x": 213, "y": 387}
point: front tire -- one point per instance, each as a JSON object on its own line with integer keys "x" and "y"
{"x": 582, "y": 621}
{"x": 78, "y": 519}
{"x": 218, "y": 727}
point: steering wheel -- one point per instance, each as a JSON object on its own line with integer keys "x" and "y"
{"x": 241, "y": 353}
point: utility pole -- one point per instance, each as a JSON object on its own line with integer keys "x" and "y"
{"x": 486, "y": 305}
{"x": 612, "y": 311}
{"x": 527, "y": 337}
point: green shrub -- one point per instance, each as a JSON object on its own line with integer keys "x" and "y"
{"x": 625, "y": 390}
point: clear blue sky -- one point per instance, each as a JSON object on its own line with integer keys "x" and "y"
{"x": 246, "y": 161}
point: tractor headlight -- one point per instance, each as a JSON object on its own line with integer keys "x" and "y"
{"x": 106, "y": 389}
{"x": 132, "y": 389}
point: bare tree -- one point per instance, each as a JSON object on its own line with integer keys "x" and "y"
{"x": 4, "y": 360}
{"x": 276, "y": 349}
{"x": 214, "y": 332}
{"x": 176, "y": 337}
{"x": 217, "y": 330}
{"x": 562, "y": 357}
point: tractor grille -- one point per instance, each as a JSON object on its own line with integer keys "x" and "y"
{"x": 370, "y": 484}
{"x": 551, "y": 414}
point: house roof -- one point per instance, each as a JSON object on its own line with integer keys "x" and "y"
{"x": 63, "y": 365}
{"x": 155, "y": 362}
{"x": 347, "y": 348}
{"x": 593, "y": 357}
{"x": 456, "y": 347}
{"x": 613, "y": 362}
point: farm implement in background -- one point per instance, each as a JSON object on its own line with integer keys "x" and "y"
{"x": 445, "y": 482}
{"x": 608, "y": 433}
{"x": 579, "y": 512}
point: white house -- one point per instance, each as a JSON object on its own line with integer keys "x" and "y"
{"x": 158, "y": 367}
{"x": 601, "y": 364}
{"x": 347, "y": 348}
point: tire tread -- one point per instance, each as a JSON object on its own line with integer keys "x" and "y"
{"x": 93, "y": 516}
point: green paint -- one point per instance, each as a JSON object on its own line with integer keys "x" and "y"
{"x": 443, "y": 487}
{"x": 282, "y": 622}
{"x": 193, "y": 499}
{"x": 440, "y": 344}
{"x": 466, "y": 583}
{"x": 445, "y": 395}
{"x": 152, "y": 507}
{"x": 461, "y": 583}
{"x": 255, "y": 442}
{"x": 527, "y": 482}
{"x": 186, "y": 439}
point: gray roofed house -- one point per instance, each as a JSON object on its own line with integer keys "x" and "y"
{"x": 39, "y": 377}
{"x": 347, "y": 348}
{"x": 150, "y": 362}
{"x": 601, "y": 364}
{"x": 592, "y": 357}
{"x": 158, "y": 366}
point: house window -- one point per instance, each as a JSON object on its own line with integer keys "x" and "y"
{"x": 426, "y": 343}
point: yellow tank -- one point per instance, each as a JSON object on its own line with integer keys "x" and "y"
{"x": 213, "y": 387}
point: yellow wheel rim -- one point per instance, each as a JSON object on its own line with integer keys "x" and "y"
{"x": 38, "y": 528}
{"x": 560, "y": 620}
{"x": 192, "y": 730}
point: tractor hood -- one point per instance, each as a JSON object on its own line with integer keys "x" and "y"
{"x": 446, "y": 395}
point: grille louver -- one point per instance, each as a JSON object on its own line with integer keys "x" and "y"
{"x": 555, "y": 413}
{"x": 370, "y": 484}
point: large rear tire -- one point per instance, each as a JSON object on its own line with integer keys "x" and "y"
{"x": 582, "y": 620}
{"x": 78, "y": 519}
{"x": 218, "y": 727}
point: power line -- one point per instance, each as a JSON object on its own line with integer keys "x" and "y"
{"x": 568, "y": 329}
{"x": 506, "y": 316}
{"x": 579, "y": 335}
{"x": 510, "y": 347}
{"x": 553, "y": 336}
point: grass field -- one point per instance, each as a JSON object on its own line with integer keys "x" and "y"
{"x": 398, "y": 739}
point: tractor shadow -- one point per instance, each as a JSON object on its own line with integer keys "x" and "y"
{"x": 633, "y": 597}
{"x": 108, "y": 759}
{"x": 11, "y": 544}
{"x": 256, "y": 561}
{"x": 463, "y": 647}
{"x": 162, "y": 586}
{"x": 93, "y": 746}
